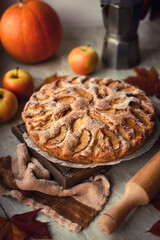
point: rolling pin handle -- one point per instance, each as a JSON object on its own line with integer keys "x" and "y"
{"x": 111, "y": 219}
{"x": 140, "y": 190}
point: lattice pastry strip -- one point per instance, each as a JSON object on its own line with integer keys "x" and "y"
{"x": 83, "y": 119}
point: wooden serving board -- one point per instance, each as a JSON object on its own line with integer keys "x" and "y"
{"x": 65, "y": 176}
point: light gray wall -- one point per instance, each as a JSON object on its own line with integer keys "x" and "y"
{"x": 73, "y": 13}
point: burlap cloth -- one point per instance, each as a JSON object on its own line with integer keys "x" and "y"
{"x": 26, "y": 180}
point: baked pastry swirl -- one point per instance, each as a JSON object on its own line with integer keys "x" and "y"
{"x": 89, "y": 120}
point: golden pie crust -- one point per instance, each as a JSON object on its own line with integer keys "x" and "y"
{"x": 89, "y": 120}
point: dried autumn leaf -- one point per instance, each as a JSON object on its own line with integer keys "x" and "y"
{"x": 9, "y": 231}
{"x": 145, "y": 8}
{"x": 20, "y": 226}
{"x": 147, "y": 80}
{"x": 51, "y": 79}
{"x": 155, "y": 229}
{"x": 156, "y": 203}
{"x": 26, "y": 222}
{"x": 17, "y": 233}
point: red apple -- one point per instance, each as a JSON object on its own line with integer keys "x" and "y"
{"x": 83, "y": 59}
{"x": 19, "y": 82}
{"x": 8, "y": 105}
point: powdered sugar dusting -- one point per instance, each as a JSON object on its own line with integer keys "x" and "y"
{"x": 101, "y": 107}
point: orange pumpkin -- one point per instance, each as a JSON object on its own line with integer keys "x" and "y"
{"x": 30, "y": 31}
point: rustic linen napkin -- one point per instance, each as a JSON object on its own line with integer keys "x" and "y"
{"x": 26, "y": 180}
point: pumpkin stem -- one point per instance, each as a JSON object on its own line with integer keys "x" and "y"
{"x": 21, "y": 3}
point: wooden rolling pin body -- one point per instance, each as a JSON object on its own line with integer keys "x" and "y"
{"x": 140, "y": 190}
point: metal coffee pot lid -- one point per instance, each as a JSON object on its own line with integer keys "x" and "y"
{"x": 120, "y": 3}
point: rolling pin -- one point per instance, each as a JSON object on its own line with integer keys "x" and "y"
{"x": 140, "y": 190}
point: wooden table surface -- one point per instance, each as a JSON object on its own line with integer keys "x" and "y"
{"x": 142, "y": 218}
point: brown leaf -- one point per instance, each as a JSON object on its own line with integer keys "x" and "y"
{"x": 5, "y": 229}
{"x": 51, "y": 79}
{"x": 20, "y": 226}
{"x": 155, "y": 229}
{"x": 147, "y": 80}
{"x": 145, "y": 8}
{"x": 156, "y": 203}
{"x": 17, "y": 233}
{"x": 26, "y": 222}
{"x": 9, "y": 231}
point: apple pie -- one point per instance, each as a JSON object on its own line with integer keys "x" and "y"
{"x": 89, "y": 120}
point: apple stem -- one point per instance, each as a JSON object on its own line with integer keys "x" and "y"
{"x": 17, "y": 72}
